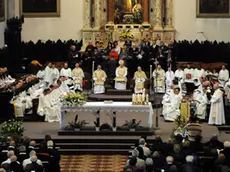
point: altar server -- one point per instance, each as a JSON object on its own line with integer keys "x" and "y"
{"x": 223, "y": 76}
{"x": 172, "y": 107}
{"x": 99, "y": 77}
{"x": 159, "y": 79}
{"x": 199, "y": 74}
{"x": 55, "y": 73}
{"x": 217, "y": 115}
{"x": 201, "y": 102}
{"x": 78, "y": 76}
{"x": 48, "y": 77}
{"x": 179, "y": 73}
{"x": 169, "y": 78}
{"x": 66, "y": 72}
{"x": 140, "y": 78}
{"x": 121, "y": 76}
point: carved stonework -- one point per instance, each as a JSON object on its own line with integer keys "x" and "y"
{"x": 152, "y": 14}
{"x": 169, "y": 13}
{"x": 87, "y": 17}
{"x": 158, "y": 11}
{"x": 97, "y": 15}
{"x": 103, "y": 14}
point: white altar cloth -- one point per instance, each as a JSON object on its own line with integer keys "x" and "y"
{"x": 111, "y": 107}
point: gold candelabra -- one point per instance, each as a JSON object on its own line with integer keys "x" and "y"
{"x": 140, "y": 99}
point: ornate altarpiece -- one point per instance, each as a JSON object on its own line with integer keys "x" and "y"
{"x": 101, "y": 22}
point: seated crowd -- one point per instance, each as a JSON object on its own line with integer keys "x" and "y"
{"x": 180, "y": 155}
{"x": 27, "y": 156}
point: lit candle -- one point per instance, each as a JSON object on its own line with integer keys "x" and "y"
{"x": 133, "y": 98}
{"x": 147, "y": 98}
{"x": 143, "y": 97}
{"x": 139, "y": 98}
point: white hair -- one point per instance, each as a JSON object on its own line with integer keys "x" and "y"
{"x": 32, "y": 153}
{"x": 33, "y": 158}
{"x": 142, "y": 141}
{"x": 169, "y": 159}
{"x": 189, "y": 158}
{"x": 227, "y": 144}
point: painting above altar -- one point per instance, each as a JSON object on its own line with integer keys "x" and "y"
{"x": 128, "y": 12}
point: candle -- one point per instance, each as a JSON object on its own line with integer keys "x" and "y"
{"x": 143, "y": 91}
{"x": 133, "y": 98}
{"x": 143, "y": 97}
{"x": 147, "y": 98}
{"x": 139, "y": 98}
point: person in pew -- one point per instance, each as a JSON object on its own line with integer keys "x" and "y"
{"x": 89, "y": 49}
{"x": 22, "y": 155}
{"x": 55, "y": 162}
{"x": 217, "y": 115}
{"x": 159, "y": 79}
{"x": 140, "y": 78}
{"x": 190, "y": 166}
{"x": 66, "y": 72}
{"x": 15, "y": 166}
{"x": 48, "y": 77}
{"x": 214, "y": 143}
{"x": 140, "y": 162}
{"x": 172, "y": 107}
{"x": 169, "y": 166}
{"x": 223, "y": 76}
{"x": 29, "y": 160}
{"x": 74, "y": 56}
{"x": 78, "y": 76}
{"x": 9, "y": 155}
{"x": 34, "y": 165}
{"x": 99, "y": 77}
{"x": 31, "y": 146}
{"x": 55, "y": 73}
{"x": 43, "y": 144}
{"x": 121, "y": 76}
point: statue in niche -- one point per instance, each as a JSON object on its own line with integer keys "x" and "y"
{"x": 128, "y": 11}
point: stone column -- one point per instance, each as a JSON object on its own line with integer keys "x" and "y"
{"x": 169, "y": 12}
{"x": 97, "y": 15}
{"x": 158, "y": 25}
{"x": 87, "y": 15}
{"x": 110, "y": 11}
{"x": 145, "y": 5}
{"x": 103, "y": 17}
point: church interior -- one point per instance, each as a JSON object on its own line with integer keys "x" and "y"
{"x": 114, "y": 85}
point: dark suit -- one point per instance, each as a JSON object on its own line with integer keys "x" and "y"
{"x": 54, "y": 162}
{"x": 189, "y": 167}
{"x": 15, "y": 167}
{"x": 33, "y": 167}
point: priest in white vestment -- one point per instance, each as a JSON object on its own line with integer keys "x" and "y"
{"x": 189, "y": 74}
{"x": 169, "y": 78}
{"x": 223, "y": 76}
{"x": 159, "y": 79}
{"x": 172, "y": 107}
{"x": 227, "y": 90}
{"x": 78, "y": 76}
{"x": 140, "y": 78}
{"x": 55, "y": 74}
{"x": 99, "y": 77}
{"x": 217, "y": 115}
{"x": 48, "y": 77}
{"x": 179, "y": 73}
{"x": 121, "y": 76}
{"x": 41, "y": 75}
{"x": 66, "y": 72}
{"x": 199, "y": 74}
{"x": 201, "y": 102}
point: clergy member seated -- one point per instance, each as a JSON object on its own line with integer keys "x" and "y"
{"x": 223, "y": 76}
{"x": 121, "y": 79}
{"x": 55, "y": 73}
{"x": 99, "y": 77}
{"x": 66, "y": 72}
{"x": 140, "y": 78}
{"x": 159, "y": 79}
{"x": 172, "y": 107}
{"x": 78, "y": 76}
{"x": 217, "y": 115}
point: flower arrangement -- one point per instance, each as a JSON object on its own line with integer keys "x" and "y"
{"x": 126, "y": 33}
{"x": 73, "y": 99}
{"x": 181, "y": 125}
{"x": 13, "y": 128}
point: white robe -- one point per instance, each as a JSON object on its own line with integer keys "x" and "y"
{"x": 223, "y": 77}
{"x": 53, "y": 109}
{"x": 67, "y": 73}
{"x": 201, "y": 103}
{"x": 180, "y": 75}
{"x": 41, "y": 75}
{"x": 55, "y": 75}
{"x": 217, "y": 115}
{"x": 120, "y": 85}
{"x": 199, "y": 73}
{"x": 48, "y": 77}
{"x": 169, "y": 79}
{"x": 227, "y": 90}
{"x": 189, "y": 72}
{"x": 172, "y": 108}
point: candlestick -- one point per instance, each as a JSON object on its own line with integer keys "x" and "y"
{"x": 133, "y": 98}
{"x": 143, "y": 97}
{"x": 147, "y": 98}
{"x": 139, "y": 98}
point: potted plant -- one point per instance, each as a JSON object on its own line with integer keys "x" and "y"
{"x": 77, "y": 125}
{"x": 13, "y": 128}
{"x": 105, "y": 127}
{"x": 132, "y": 124}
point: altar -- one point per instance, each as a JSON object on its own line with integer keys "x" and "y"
{"x": 125, "y": 107}
{"x": 105, "y": 20}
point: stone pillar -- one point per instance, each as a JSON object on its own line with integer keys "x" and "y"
{"x": 110, "y": 11}
{"x": 169, "y": 11}
{"x": 145, "y": 5}
{"x": 103, "y": 17}
{"x": 87, "y": 15}
{"x": 97, "y": 15}
{"x": 158, "y": 25}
